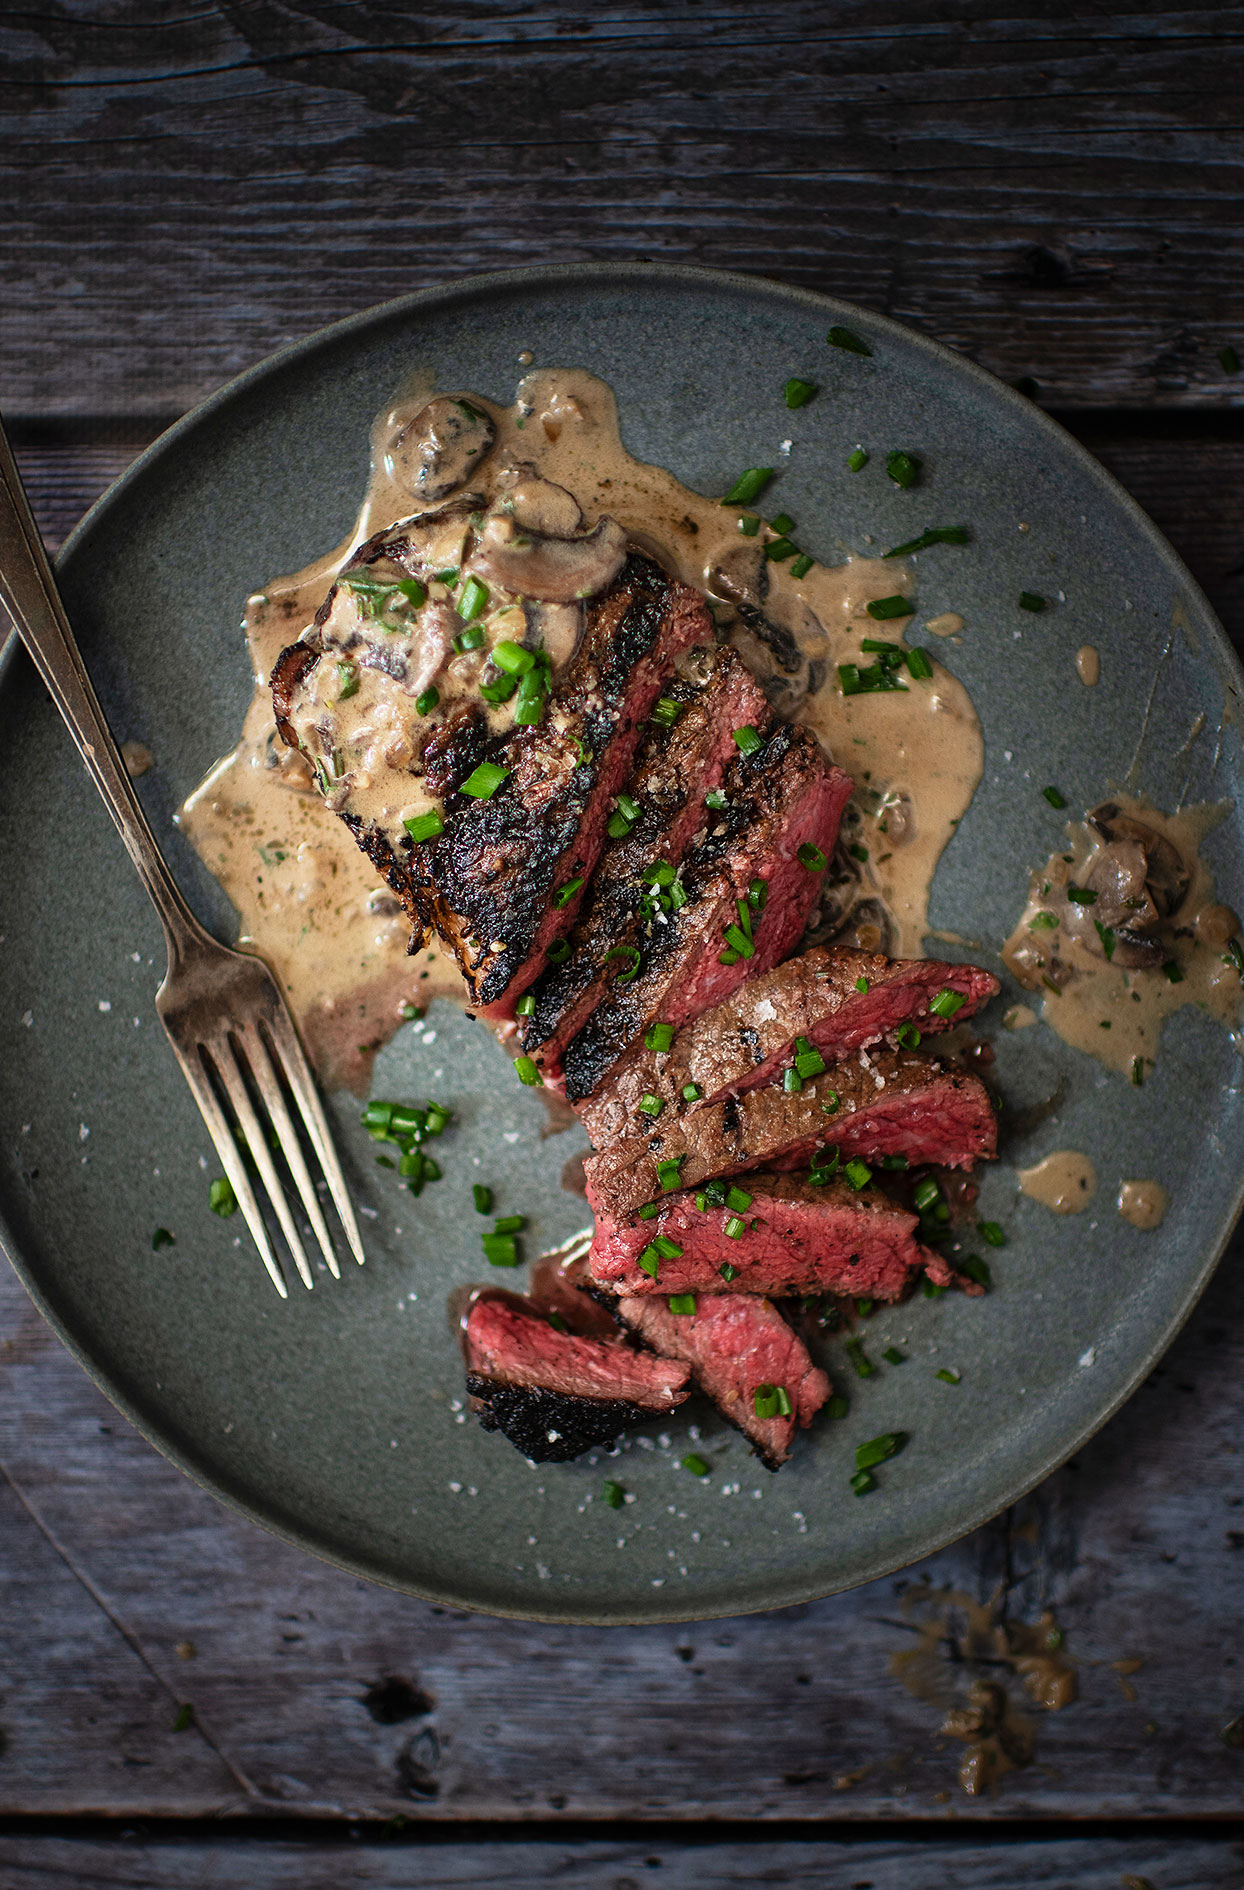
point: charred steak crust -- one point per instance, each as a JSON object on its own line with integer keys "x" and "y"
{"x": 896, "y": 1103}
{"x": 748, "y": 1039}
{"x": 487, "y": 881}
{"x": 756, "y": 831}
{"x": 550, "y": 1426}
{"x": 674, "y": 770}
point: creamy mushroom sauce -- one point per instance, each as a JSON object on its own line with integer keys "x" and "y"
{"x": 1065, "y": 1181}
{"x": 307, "y": 896}
{"x": 1143, "y": 1203}
{"x": 1168, "y": 945}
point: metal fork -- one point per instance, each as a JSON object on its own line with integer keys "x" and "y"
{"x": 223, "y": 1010}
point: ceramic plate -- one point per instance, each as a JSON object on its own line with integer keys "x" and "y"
{"x": 336, "y": 1420}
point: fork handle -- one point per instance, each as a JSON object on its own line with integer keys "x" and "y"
{"x": 29, "y": 598}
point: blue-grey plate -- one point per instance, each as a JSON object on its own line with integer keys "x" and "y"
{"x": 336, "y": 1420}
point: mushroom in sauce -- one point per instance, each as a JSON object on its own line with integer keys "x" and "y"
{"x": 440, "y": 448}
{"x": 554, "y": 569}
{"x": 1140, "y": 882}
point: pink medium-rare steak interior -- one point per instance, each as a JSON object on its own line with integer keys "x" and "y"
{"x": 514, "y": 1346}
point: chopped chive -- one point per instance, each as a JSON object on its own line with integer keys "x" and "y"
{"x": 558, "y": 952}
{"x": 863, "y": 1481}
{"x": 879, "y": 1449}
{"x": 1032, "y": 600}
{"x": 739, "y": 943}
{"x": 932, "y": 1292}
{"x": 658, "y": 1037}
{"x": 715, "y": 1193}
{"x": 792, "y": 1082}
{"x": 908, "y": 1037}
{"x": 509, "y": 1224}
{"x": 734, "y": 1227}
{"x": 808, "y": 1060}
{"x": 438, "y": 1118}
{"x": 650, "y": 1210}
{"x": 1053, "y": 796}
{"x": 473, "y": 600}
{"x": 482, "y": 1196}
{"x": 1234, "y": 956}
{"x": 858, "y": 1173}
{"x": 612, "y": 1494}
{"x": 666, "y": 711}
{"x": 857, "y": 459}
{"x": 797, "y": 393}
{"x": 682, "y": 1303}
{"x": 667, "y": 1248}
{"x": 499, "y": 691}
{"x": 893, "y": 1356}
{"x": 650, "y": 1262}
{"x": 976, "y": 1269}
{"x": 770, "y": 1401}
{"x": 566, "y": 893}
{"x": 526, "y": 1005}
{"x": 630, "y": 955}
{"x": 837, "y": 1408}
{"x": 861, "y": 985}
{"x": 738, "y": 1200}
{"x": 500, "y": 1250}
{"x": 728, "y": 1272}
{"x": 1138, "y": 1072}
{"x": 883, "y": 608}
{"x": 749, "y": 486}
{"x": 812, "y": 858}
{"x": 161, "y": 1238}
{"x": 778, "y": 550}
{"x": 782, "y": 524}
{"x": 991, "y": 1233}
{"x": 935, "y": 535}
{"x": 802, "y": 565}
{"x": 903, "y": 468}
{"x": 628, "y": 807}
{"x": 425, "y": 703}
{"x": 691, "y": 1092}
{"x": 377, "y": 1116}
{"x": 660, "y": 873}
{"x": 425, "y": 826}
{"x": 528, "y": 1074}
{"x": 747, "y": 741}
{"x": 829, "y": 1102}
{"x": 651, "y": 1105}
{"x": 472, "y": 638}
{"x": 695, "y": 1463}
{"x": 847, "y": 339}
{"x": 512, "y": 658}
{"x": 1081, "y": 896}
{"x": 864, "y": 1367}
{"x": 864, "y": 1307}
{"x": 529, "y": 711}
{"x": 947, "y": 1003}
{"x": 348, "y": 677}
{"x": 1043, "y": 922}
{"x": 749, "y": 525}
{"x": 919, "y": 663}
{"x": 482, "y": 783}
{"x": 1228, "y": 360}
{"x": 926, "y": 1193}
{"x": 1106, "y": 934}
{"x": 1172, "y": 972}
{"x": 221, "y": 1198}
{"x": 874, "y": 680}
{"x": 448, "y": 576}
{"x": 715, "y": 797}
{"x": 949, "y": 1376}
{"x": 667, "y": 1173}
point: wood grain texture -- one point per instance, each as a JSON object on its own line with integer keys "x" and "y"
{"x": 140, "y": 1863}
{"x": 317, "y": 1695}
{"x": 1053, "y": 190}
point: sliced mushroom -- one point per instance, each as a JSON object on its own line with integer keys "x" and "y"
{"x": 556, "y": 570}
{"x": 1140, "y": 880}
{"x": 440, "y": 448}
{"x": 1166, "y": 875}
{"x": 536, "y": 504}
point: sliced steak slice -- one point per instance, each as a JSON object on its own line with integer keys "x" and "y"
{"x": 839, "y": 1000}
{"x": 796, "y": 1238}
{"x": 777, "y": 799}
{"x": 489, "y": 882}
{"x": 555, "y": 1394}
{"x": 737, "y": 1346}
{"x": 675, "y": 769}
{"x": 891, "y": 1104}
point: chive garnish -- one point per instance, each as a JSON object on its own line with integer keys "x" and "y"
{"x": 728, "y": 1272}
{"x": 649, "y": 1262}
{"x": 861, "y": 985}
{"x": 948, "y": 1376}
{"x": 1172, "y": 972}
{"x": 808, "y": 1060}
{"x": 857, "y": 459}
{"x": 1032, "y": 600}
{"x": 847, "y": 339}
{"x": 500, "y": 1250}
{"x": 837, "y": 1408}
{"x": 221, "y": 1198}
{"x": 695, "y": 1463}
{"x": 499, "y": 690}
{"x": 734, "y": 1227}
{"x": 509, "y": 1224}
{"x": 829, "y": 1102}
{"x": 749, "y": 486}
{"x": 858, "y": 1173}
{"x": 471, "y": 638}
{"x": 715, "y": 797}
{"x": 650, "y": 1210}
{"x": 691, "y": 1092}
{"x": 792, "y": 1082}
{"x": 935, "y": 535}
{"x": 976, "y": 1269}
{"x": 528, "y": 1074}
{"x": 926, "y": 1193}
{"x": 947, "y": 1003}
{"x": 512, "y": 658}
{"x": 666, "y": 711}
{"x": 425, "y": 826}
{"x": 658, "y": 1037}
{"x": 161, "y": 1238}
{"x": 879, "y": 1449}
{"x": 746, "y": 740}
{"x": 920, "y": 663}
{"x": 770, "y": 1401}
{"x": 738, "y": 1200}
{"x": 651, "y": 1105}
{"x": 473, "y": 600}
{"x": 893, "y": 1356}
{"x": 824, "y": 1165}
{"x": 863, "y": 1307}
{"x": 1053, "y": 796}
{"x": 991, "y": 1233}
{"x": 876, "y": 679}
{"x": 1138, "y": 1072}
{"x": 558, "y": 952}
{"x": 1234, "y": 956}
{"x": 812, "y": 858}
{"x": 630, "y": 955}
{"x": 908, "y": 1037}
{"x": 782, "y": 524}
{"x": 797, "y": 393}
{"x": 667, "y": 1173}
{"x": 348, "y": 677}
{"x": 481, "y": 1194}
{"x": 660, "y": 873}
{"x": 738, "y": 943}
{"x": 778, "y": 550}
{"x": 1043, "y": 922}
{"x": 883, "y": 608}
{"x": 903, "y": 468}
{"x": 864, "y": 1367}
{"x": 484, "y": 781}
{"x": 612, "y": 1494}
{"x": 932, "y": 1292}
{"x": 566, "y": 893}
{"x": 1106, "y": 934}
{"x": 1081, "y": 896}
{"x": 682, "y": 1304}
{"x": 895, "y": 1161}
{"x": 749, "y": 525}
{"x": 526, "y": 1006}
{"x": 425, "y": 703}
{"x": 863, "y": 1481}
{"x": 802, "y": 565}
{"x": 667, "y": 1248}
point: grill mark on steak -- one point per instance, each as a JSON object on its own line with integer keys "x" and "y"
{"x": 798, "y": 1239}
{"x": 896, "y": 1104}
{"x": 777, "y": 799}
{"x": 550, "y": 1426}
{"x": 486, "y": 883}
{"x": 675, "y": 769}
{"x": 749, "y": 1040}
{"x": 733, "y": 1346}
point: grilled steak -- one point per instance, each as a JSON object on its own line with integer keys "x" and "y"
{"x": 555, "y": 1394}
{"x": 737, "y": 1347}
{"x": 778, "y": 798}
{"x": 490, "y": 879}
{"x": 792, "y": 1238}
{"x": 676, "y": 767}
{"x": 749, "y": 1040}
{"x": 891, "y": 1104}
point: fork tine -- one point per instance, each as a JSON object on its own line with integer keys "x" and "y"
{"x": 233, "y": 1165}
{"x": 288, "y": 1054}
{"x": 230, "y": 1075}
{"x": 260, "y": 1059}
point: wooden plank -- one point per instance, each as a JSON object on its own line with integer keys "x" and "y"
{"x": 231, "y": 1863}
{"x": 183, "y": 190}
{"x": 315, "y": 1694}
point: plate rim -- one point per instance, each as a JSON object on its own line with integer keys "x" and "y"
{"x": 545, "y": 277}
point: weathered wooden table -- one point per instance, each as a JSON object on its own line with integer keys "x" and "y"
{"x": 1057, "y": 193}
